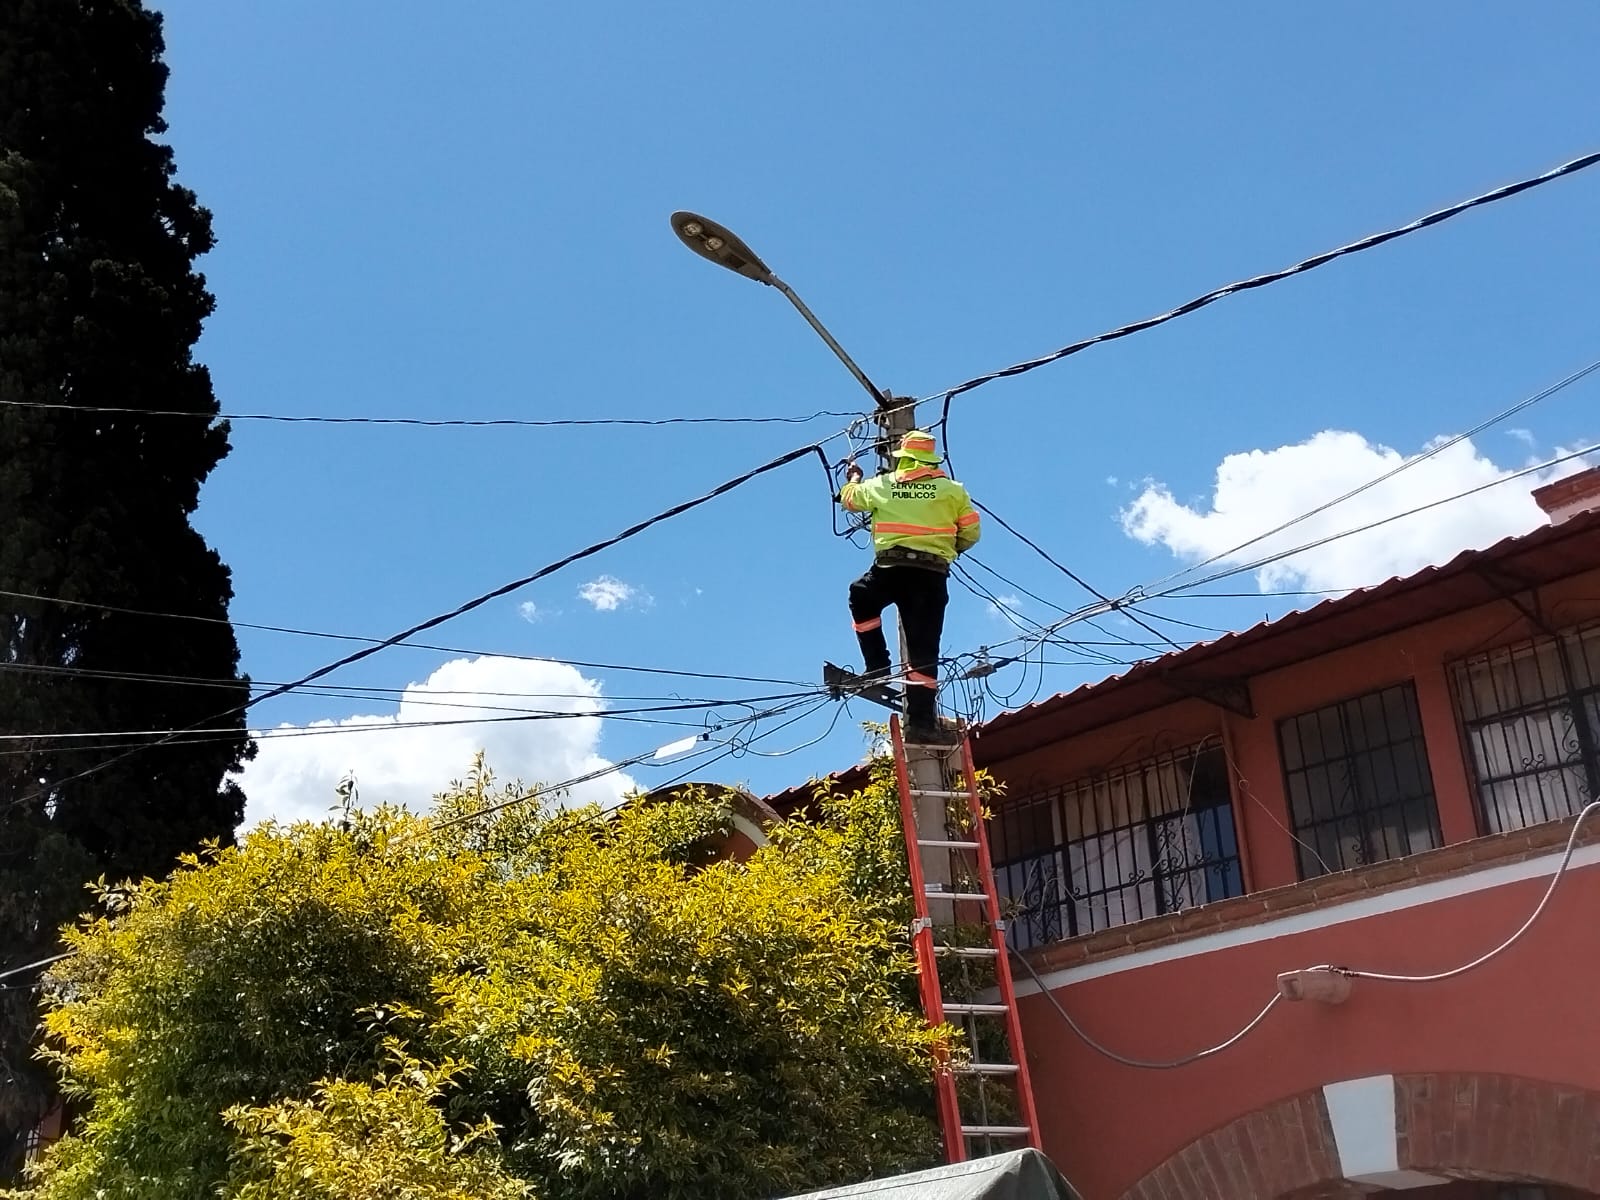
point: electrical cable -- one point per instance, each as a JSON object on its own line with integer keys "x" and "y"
{"x": 476, "y": 423}
{"x": 1366, "y": 243}
{"x": 318, "y": 730}
{"x": 1432, "y": 451}
{"x": 1016, "y": 619}
{"x": 1040, "y": 551}
{"x": 701, "y": 763}
{"x": 478, "y": 601}
{"x": 1078, "y": 579}
{"x": 1347, "y": 972}
{"x": 507, "y": 588}
{"x": 407, "y": 645}
{"x": 972, "y": 559}
{"x": 1144, "y": 1064}
{"x": 463, "y": 818}
{"x": 598, "y": 773}
{"x": 1142, "y": 594}
{"x": 428, "y": 697}
{"x": 1249, "y": 793}
{"x": 208, "y": 737}
{"x": 1272, "y": 592}
{"x": 742, "y": 747}
{"x": 43, "y": 962}
{"x": 1112, "y": 639}
{"x": 1555, "y": 880}
{"x": 1155, "y": 616}
{"x": 1140, "y": 597}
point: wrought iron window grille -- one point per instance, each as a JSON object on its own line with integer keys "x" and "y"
{"x": 1150, "y": 838}
{"x": 1357, "y": 781}
{"x": 1530, "y": 720}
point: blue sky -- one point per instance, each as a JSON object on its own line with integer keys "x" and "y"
{"x": 428, "y": 214}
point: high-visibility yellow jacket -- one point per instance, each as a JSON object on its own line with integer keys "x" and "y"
{"x": 917, "y": 509}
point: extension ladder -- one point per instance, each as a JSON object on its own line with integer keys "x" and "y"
{"x": 932, "y": 779}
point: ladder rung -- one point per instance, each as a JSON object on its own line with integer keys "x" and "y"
{"x": 968, "y": 951}
{"x": 938, "y": 845}
{"x": 934, "y": 894}
{"x": 977, "y": 1010}
{"x": 987, "y": 1069}
{"x": 996, "y": 1130}
{"x": 939, "y": 793}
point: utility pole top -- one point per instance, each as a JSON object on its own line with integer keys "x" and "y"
{"x": 896, "y": 417}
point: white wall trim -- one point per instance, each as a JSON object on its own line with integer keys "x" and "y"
{"x": 1355, "y": 909}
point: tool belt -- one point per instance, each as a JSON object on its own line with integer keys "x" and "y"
{"x": 897, "y": 556}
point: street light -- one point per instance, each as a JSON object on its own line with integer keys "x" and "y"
{"x": 718, "y": 244}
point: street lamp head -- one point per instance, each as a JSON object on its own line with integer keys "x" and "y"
{"x": 720, "y": 245}
{"x": 724, "y": 247}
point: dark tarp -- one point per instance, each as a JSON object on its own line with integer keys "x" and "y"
{"x": 1020, "y": 1175}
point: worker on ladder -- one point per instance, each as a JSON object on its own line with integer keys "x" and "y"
{"x": 921, "y": 520}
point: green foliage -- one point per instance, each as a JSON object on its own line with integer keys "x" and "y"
{"x": 542, "y": 996}
{"x": 385, "y": 1140}
{"x": 100, "y": 306}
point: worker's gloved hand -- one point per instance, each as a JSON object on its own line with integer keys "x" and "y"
{"x": 852, "y": 472}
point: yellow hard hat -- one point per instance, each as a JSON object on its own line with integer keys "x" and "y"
{"x": 918, "y": 445}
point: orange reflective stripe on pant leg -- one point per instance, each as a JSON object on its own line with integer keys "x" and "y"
{"x": 918, "y": 679}
{"x": 868, "y": 626}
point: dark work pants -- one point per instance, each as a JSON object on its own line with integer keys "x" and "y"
{"x": 920, "y": 597}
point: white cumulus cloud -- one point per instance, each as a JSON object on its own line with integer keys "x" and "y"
{"x": 293, "y": 777}
{"x": 607, "y": 593}
{"x": 1260, "y": 489}
{"x": 529, "y": 611}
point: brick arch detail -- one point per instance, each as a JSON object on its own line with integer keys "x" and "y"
{"x": 1459, "y": 1125}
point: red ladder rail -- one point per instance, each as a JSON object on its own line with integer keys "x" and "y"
{"x": 928, "y": 948}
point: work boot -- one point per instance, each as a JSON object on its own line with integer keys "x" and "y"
{"x": 922, "y": 725}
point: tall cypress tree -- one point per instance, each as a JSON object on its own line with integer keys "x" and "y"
{"x": 100, "y": 306}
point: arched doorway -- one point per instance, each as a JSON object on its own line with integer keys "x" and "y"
{"x": 1437, "y": 1136}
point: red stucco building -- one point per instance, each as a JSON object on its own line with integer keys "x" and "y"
{"x": 1384, "y": 782}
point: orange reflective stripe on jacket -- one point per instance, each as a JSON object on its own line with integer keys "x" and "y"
{"x": 913, "y": 530}
{"x": 970, "y": 518}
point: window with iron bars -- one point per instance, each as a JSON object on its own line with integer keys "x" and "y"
{"x": 1530, "y": 715}
{"x": 1154, "y": 837}
{"x": 1357, "y": 778}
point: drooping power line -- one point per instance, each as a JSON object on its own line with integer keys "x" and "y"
{"x": 1317, "y": 260}
{"x": 427, "y": 422}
